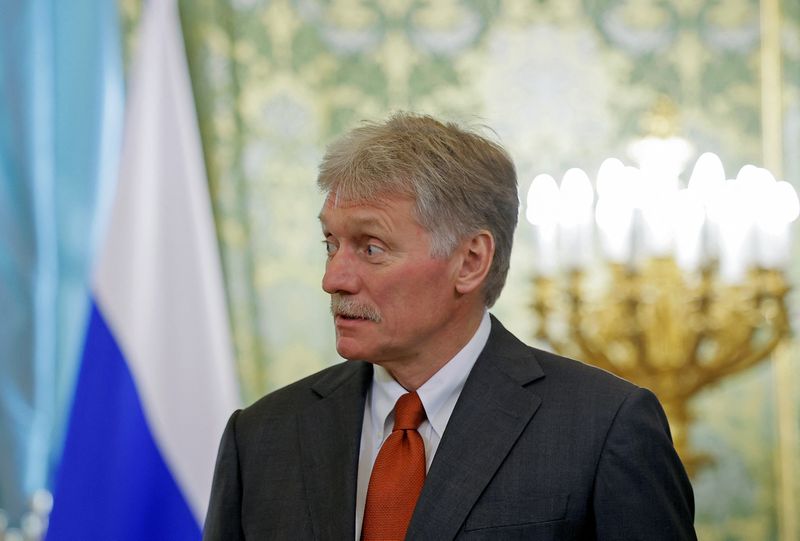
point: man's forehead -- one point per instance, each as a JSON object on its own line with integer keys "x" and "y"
{"x": 365, "y": 211}
{"x": 363, "y": 216}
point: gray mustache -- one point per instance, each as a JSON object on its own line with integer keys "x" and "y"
{"x": 348, "y": 307}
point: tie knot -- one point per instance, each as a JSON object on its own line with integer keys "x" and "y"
{"x": 408, "y": 412}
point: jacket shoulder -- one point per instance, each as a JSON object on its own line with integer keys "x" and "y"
{"x": 306, "y": 391}
{"x": 545, "y": 369}
{"x": 581, "y": 374}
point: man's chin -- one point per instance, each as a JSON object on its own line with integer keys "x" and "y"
{"x": 348, "y": 350}
{"x": 352, "y": 350}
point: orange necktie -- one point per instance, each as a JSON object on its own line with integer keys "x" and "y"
{"x": 397, "y": 476}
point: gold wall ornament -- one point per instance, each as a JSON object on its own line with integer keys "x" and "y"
{"x": 694, "y": 288}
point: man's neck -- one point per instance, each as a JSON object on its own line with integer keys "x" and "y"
{"x": 413, "y": 373}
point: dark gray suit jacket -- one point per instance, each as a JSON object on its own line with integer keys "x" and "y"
{"x": 538, "y": 447}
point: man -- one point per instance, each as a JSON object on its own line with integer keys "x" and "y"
{"x": 489, "y": 438}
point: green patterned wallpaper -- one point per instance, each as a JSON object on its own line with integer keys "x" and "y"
{"x": 563, "y": 83}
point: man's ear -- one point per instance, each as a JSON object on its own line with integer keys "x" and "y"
{"x": 477, "y": 253}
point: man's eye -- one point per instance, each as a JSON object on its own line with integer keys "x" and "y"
{"x": 374, "y": 250}
{"x": 330, "y": 247}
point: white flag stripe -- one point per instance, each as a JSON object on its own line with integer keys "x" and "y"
{"x": 158, "y": 281}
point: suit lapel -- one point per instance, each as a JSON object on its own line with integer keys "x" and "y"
{"x": 491, "y": 413}
{"x": 330, "y": 431}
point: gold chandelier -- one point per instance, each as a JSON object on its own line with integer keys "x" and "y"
{"x": 691, "y": 285}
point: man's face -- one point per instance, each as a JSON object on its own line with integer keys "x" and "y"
{"x": 392, "y": 302}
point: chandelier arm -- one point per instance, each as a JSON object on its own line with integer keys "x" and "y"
{"x": 589, "y": 349}
{"x": 732, "y": 354}
{"x": 641, "y": 345}
{"x": 700, "y": 318}
{"x": 637, "y": 335}
{"x": 593, "y": 354}
{"x": 740, "y": 361}
{"x": 694, "y": 351}
{"x": 577, "y": 306}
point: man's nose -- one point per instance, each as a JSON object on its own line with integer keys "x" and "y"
{"x": 340, "y": 274}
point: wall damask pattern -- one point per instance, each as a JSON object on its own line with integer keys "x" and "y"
{"x": 562, "y": 82}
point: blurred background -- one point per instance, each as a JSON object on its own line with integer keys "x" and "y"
{"x": 563, "y": 84}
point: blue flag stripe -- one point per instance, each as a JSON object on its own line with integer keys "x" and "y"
{"x": 109, "y": 439}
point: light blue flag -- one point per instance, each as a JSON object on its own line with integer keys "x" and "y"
{"x": 60, "y": 128}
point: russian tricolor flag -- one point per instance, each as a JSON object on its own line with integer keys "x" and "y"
{"x": 156, "y": 383}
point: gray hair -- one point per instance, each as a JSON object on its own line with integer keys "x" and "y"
{"x": 461, "y": 181}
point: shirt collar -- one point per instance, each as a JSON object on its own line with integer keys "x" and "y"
{"x": 440, "y": 393}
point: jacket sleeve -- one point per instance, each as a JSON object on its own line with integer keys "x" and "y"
{"x": 224, "y": 517}
{"x": 641, "y": 488}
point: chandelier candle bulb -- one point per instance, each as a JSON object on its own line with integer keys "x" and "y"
{"x": 575, "y": 219}
{"x": 773, "y": 226}
{"x": 542, "y": 213}
{"x": 689, "y": 231}
{"x": 659, "y": 210}
{"x": 615, "y": 227}
{"x": 661, "y": 157}
{"x": 736, "y": 214}
{"x": 614, "y": 213}
{"x": 708, "y": 178}
{"x": 609, "y": 176}
{"x": 759, "y": 185}
{"x": 706, "y": 184}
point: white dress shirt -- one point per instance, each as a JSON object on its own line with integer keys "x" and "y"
{"x": 438, "y": 395}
